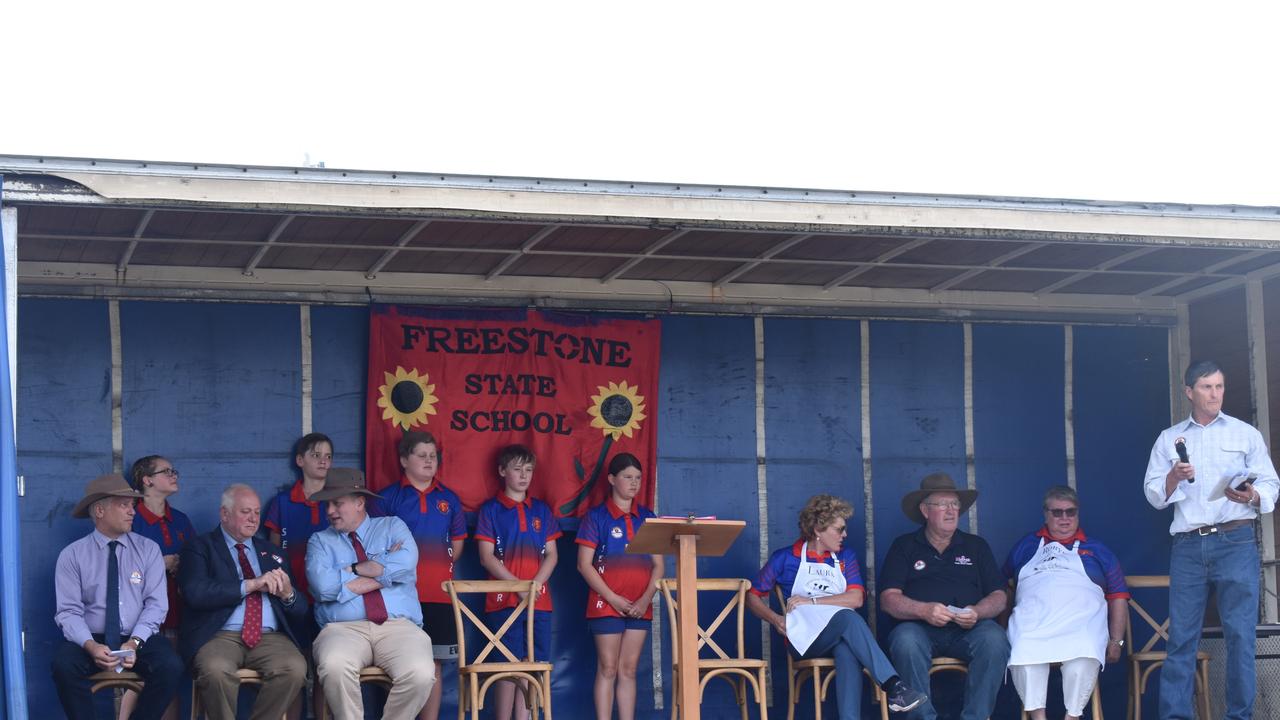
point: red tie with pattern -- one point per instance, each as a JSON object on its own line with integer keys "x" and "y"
{"x": 251, "y": 631}
{"x": 375, "y": 610}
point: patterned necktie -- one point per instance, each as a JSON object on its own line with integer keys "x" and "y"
{"x": 112, "y": 624}
{"x": 374, "y": 608}
{"x": 251, "y": 630}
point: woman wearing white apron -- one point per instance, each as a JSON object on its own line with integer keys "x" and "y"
{"x": 822, "y": 586}
{"x": 1070, "y": 607}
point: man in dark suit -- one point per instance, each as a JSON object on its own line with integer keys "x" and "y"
{"x": 239, "y": 607}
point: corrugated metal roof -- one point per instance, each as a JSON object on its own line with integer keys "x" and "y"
{"x": 119, "y": 227}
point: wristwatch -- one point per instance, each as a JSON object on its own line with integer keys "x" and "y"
{"x": 137, "y": 641}
{"x": 1118, "y": 642}
{"x": 353, "y": 570}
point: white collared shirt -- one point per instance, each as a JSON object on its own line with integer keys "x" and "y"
{"x": 1225, "y": 446}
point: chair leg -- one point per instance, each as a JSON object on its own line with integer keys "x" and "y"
{"x": 760, "y": 695}
{"x": 740, "y": 690}
{"x": 817, "y": 693}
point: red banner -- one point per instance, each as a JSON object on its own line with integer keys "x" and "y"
{"x": 575, "y": 389}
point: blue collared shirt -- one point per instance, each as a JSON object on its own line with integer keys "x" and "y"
{"x": 1222, "y": 447}
{"x": 236, "y": 621}
{"x": 330, "y": 555}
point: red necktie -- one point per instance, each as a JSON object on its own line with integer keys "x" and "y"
{"x": 375, "y": 610}
{"x": 251, "y": 630}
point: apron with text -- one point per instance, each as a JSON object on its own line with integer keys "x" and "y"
{"x": 805, "y": 622}
{"x": 1060, "y": 613}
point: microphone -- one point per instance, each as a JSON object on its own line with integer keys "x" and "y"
{"x": 1181, "y": 446}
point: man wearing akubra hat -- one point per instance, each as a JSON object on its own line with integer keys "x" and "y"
{"x": 363, "y": 574}
{"x": 945, "y": 588}
{"x": 111, "y": 596}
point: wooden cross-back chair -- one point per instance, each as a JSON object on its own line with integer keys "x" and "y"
{"x": 1144, "y": 660}
{"x": 820, "y": 671}
{"x": 732, "y": 665}
{"x": 495, "y": 661}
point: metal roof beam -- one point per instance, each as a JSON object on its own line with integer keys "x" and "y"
{"x": 1265, "y": 273}
{"x": 275, "y": 234}
{"x": 766, "y": 255}
{"x": 1210, "y": 270}
{"x": 528, "y": 245}
{"x": 123, "y": 264}
{"x": 992, "y": 264}
{"x": 883, "y": 258}
{"x": 405, "y": 239}
{"x": 653, "y": 248}
{"x": 1102, "y": 266}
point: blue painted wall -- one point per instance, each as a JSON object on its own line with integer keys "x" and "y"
{"x": 216, "y": 388}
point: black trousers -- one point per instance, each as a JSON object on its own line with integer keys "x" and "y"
{"x": 157, "y": 663}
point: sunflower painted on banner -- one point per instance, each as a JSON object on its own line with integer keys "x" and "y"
{"x": 406, "y": 399}
{"x": 617, "y": 410}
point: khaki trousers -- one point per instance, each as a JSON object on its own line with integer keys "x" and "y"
{"x": 283, "y": 670}
{"x": 398, "y": 646}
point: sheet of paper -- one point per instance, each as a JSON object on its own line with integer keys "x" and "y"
{"x": 1219, "y": 490}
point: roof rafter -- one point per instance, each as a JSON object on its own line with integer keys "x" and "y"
{"x": 766, "y": 255}
{"x": 653, "y": 248}
{"x": 274, "y": 235}
{"x": 404, "y": 240}
{"x": 877, "y": 262}
{"x": 1107, "y": 265}
{"x": 123, "y": 264}
{"x": 524, "y": 250}
{"x": 991, "y": 264}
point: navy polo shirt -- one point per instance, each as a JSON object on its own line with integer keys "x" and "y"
{"x": 961, "y": 575}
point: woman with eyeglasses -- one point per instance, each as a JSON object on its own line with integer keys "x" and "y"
{"x": 821, "y": 590}
{"x": 157, "y": 479}
{"x": 434, "y": 515}
{"x": 1070, "y": 607}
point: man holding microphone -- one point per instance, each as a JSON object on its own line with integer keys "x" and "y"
{"x": 1213, "y": 537}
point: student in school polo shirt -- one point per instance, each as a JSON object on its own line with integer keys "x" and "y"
{"x": 608, "y": 530}
{"x": 295, "y": 519}
{"x": 519, "y": 532}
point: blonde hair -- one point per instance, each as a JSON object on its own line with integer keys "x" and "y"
{"x": 822, "y": 511}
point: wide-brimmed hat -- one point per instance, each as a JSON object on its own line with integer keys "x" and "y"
{"x": 103, "y": 486}
{"x": 937, "y": 482}
{"x": 341, "y": 482}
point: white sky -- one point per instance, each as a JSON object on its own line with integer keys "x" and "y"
{"x": 1109, "y": 100}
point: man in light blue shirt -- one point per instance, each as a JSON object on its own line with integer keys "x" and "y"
{"x": 1213, "y": 538}
{"x": 362, "y": 573}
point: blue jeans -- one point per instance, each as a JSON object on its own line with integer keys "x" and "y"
{"x": 913, "y": 645}
{"x": 1227, "y": 561}
{"x": 848, "y": 639}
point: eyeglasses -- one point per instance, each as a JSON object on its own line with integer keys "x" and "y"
{"x": 171, "y": 472}
{"x": 945, "y": 505}
{"x": 317, "y": 456}
{"x": 1062, "y": 512}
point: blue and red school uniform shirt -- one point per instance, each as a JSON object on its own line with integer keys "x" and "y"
{"x": 609, "y": 530}
{"x": 170, "y": 530}
{"x": 1100, "y": 564}
{"x": 296, "y": 518}
{"x": 436, "y": 519}
{"x": 784, "y": 563}
{"x": 519, "y": 532}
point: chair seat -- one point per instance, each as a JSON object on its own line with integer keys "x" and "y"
{"x": 718, "y": 664}
{"x": 375, "y": 674}
{"x": 496, "y": 667}
{"x": 111, "y": 678}
{"x": 1161, "y": 655}
{"x": 824, "y": 662}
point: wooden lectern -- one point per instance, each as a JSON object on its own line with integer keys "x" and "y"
{"x": 686, "y": 538}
